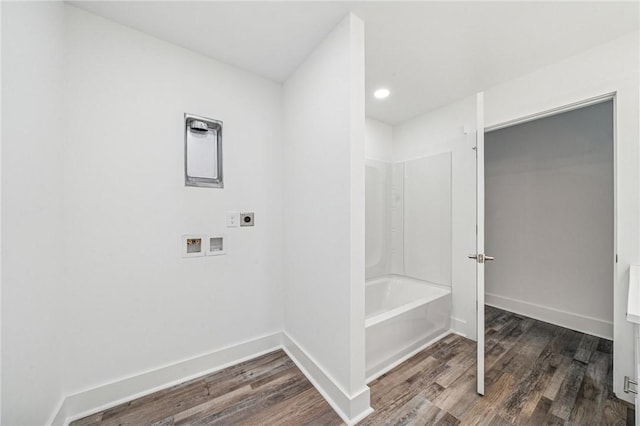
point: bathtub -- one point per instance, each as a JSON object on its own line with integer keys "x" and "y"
{"x": 402, "y": 316}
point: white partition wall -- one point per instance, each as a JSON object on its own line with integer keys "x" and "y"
{"x": 32, "y": 171}
{"x": 324, "y": 225}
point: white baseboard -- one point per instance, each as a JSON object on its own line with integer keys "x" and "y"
{"x": 458, "y": 326}
{"x": 351, "y": 408}
{"x": 582, "y": 323}
{"x": 84, "y": 403}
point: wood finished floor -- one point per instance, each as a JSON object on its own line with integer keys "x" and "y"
{"x": 536, "y": 374}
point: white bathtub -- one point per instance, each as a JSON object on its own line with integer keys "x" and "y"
{"x": 402, "y": 315}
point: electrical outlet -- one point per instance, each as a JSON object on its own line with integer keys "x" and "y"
{"x": 246, "y": 219}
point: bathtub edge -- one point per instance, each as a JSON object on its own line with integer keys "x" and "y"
{"x": 404, "y": 358}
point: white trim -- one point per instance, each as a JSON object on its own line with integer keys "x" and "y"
{"x": 412, "y": 353}
{"x": 357, "y": 419}
{"x": 553, "y": 111}
{"x": 351, "y": 408}
{"x": 578, "y": 322}
{"x": 90, "y": 401}
{"x": 633, "y": 300}
{"x": 480, "y": 246}
{"x": 458, "y": 325}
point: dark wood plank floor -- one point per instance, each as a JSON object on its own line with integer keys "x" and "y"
{"x": 536, "y": 374}
{"x": 268, "y": 390}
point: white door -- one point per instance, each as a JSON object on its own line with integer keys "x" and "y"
{"x": 479, "y": 256}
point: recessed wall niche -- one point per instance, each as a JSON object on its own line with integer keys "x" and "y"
{"x": 202, "y": 152}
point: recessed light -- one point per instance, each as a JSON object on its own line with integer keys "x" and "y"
{"x": 381, "y": 93}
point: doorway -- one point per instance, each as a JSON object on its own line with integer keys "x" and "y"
{"x": 549, "y": 218}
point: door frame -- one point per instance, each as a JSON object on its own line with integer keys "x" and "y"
{"x": 480, "y": 246}
{"x": 559, "y": 110}
{"x": 610, "y": 96}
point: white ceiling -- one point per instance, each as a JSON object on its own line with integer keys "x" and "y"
{"x": 428, "y": 53}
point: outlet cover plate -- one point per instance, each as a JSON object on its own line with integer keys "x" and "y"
{"x": 246, "y": 219}
{"x": 233, "y": 219}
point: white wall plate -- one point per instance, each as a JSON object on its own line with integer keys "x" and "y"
{"x": 193, "y": 245}
{"x": 216, "y": 245}
{"x": 233, "y": 219}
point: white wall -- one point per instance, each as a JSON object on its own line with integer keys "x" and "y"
{"x": 378, "y": 140}
{"x": 608, "y": 68}
{"x": 132, "y": 303}
{"x": 324, "y": 207}
{"x": 442, "y": 131}
{"x": 549, "y": 219}
{"x": 32, "y": 43}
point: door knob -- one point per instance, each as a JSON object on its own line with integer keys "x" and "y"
{"x": 481, "y": 258}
